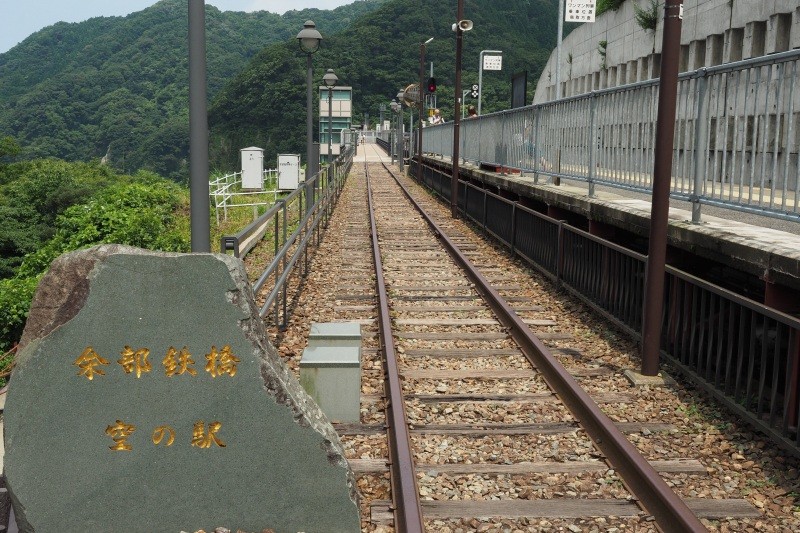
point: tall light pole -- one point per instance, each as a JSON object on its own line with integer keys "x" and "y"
{"x": 459, "y": 27}
{"x": 558, "y": 47}
{"x": 309, "y": 39}
{"x": 198, "y": 130}
{"x": 400, "y": 139}
{"x": 421, "y": 103}
{"x": 329, "y": 80}
{"x": 393, "y": 105}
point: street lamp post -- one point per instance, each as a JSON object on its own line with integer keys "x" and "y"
{"x": 559, "y": 38}
{"x": 309, "y": 39}
{"x": 329, "y": 80}
{"x": 400, "y": 140}
{"x": 394, "y": 106}
{"x": 421, "y": 103}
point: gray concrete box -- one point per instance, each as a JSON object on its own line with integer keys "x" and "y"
{"x": 330, "y": 369}
{"x": 332, "y": 376}
{"x": 335, "y": 334}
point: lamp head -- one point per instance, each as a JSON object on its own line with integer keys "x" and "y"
{"x": 330, "y": 79}
{"x": 309, "y": 38}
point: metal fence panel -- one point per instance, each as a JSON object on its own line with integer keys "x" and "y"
{"x": 736, "y": 138}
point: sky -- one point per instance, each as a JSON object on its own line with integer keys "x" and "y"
{"x": 20, "y": 18}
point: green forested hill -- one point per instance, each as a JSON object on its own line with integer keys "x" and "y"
{"x": 378, "y": 55}
{"x": 119, "y": 84}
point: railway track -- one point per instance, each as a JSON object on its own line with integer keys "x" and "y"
{"x": 490, "y": 445}
{"x": 441, "y": 302}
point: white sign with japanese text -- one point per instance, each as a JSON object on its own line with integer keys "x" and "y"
{"x": 579, "y": 11}
{"x": 492, "y": 62}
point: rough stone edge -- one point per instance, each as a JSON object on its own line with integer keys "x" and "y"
{"x": 63, "y": 291}
{"x": 279, "y": 382}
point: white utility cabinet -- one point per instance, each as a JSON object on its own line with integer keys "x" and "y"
{"x": 288, "y": 171}
{"x": 252, "y": 168}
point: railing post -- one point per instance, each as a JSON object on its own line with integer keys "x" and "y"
{"x": 230, "y": 243}
{"x": 700, "y": 142}
{"x": 503, "y": 146}
{"x": 560, "y": 252}
{"x": 283, "y": 266}
{"x": 536, "y": 145}
{"x": 485, "y": 199}
{"x": 513, "y": 228}
{"x": 277, "y": 247}
{"x": 592, "y": 142}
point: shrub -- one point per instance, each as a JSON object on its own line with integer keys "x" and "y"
{"x": 647, "y": 18}
{"x": 607, "y": 5}
{"x": 15, "y": 301}
{"x": 137, "y": 214}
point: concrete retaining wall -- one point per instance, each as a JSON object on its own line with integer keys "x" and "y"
{"x": 713, "y": 32}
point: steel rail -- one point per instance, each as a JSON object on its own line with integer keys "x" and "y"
{"x": 405, "y": 496}
{"x": 654, "y": 495}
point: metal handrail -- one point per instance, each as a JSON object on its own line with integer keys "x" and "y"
{"x": 736, "y": 141}
{"x": 330, "y": 181}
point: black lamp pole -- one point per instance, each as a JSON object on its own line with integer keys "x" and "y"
{"x": 309, "y": 39}
{"x": 330, "y": 80}
{"x": 421, "y": 102}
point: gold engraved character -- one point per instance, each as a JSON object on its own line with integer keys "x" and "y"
{"x": 177, "y": 363}
{"x": 119, "y": 432}
{"x": 163, "y": 431}
{"x": 89, "y": 363}
{"x": 201, "y": 439}
{"x": 222, "y": 362}
{"x": 135, "y": 360}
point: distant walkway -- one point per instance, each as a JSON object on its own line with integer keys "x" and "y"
{"x": 371, "y": 153}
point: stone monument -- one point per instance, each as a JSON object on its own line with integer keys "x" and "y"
{"x": 147, "y": 397}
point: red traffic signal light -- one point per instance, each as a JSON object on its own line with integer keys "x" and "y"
{"x": 431, "y": 85}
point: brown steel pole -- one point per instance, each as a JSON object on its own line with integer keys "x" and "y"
{"x": 662, "y": 173}
{"x": 457, "y": 113}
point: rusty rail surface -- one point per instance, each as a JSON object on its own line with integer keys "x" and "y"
{"x": 655, "y": 496}
{"x": 405, "y": 496}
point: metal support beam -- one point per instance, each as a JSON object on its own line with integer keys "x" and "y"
{"x": 199, "y": 203}
{"x": 662, "y": 172}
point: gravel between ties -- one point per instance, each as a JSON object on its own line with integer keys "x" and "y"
{"x": 739, "y": 462}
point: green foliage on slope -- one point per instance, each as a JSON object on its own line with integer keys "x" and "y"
{"x": 45, "y": 212}
{"x": 378, "y": 55}
{"x": 118, "y": 85}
